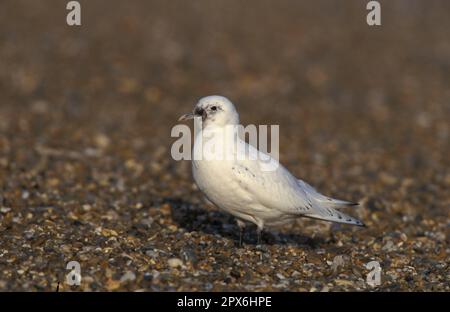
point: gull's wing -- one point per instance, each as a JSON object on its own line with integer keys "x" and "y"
{"x": 275, "y": 189}
{"x": 279, "y": 189}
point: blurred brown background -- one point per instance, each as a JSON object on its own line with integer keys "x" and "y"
{"x": 86, "y": 113}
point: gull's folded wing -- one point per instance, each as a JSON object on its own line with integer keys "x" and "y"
{"x": 279, "y": 189}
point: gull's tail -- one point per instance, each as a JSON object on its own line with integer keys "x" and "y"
{"x": 325, "y": 207}
{"x": 333, "y": 215}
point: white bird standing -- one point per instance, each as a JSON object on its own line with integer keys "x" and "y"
{"x": 242, "y": 185}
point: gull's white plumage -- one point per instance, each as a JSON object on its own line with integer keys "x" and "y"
{"x": 242, "y": 185}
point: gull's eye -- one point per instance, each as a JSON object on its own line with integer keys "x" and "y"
{"x": 213, "y": 108}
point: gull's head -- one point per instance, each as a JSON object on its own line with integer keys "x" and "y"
{"x": 214, "y": 110}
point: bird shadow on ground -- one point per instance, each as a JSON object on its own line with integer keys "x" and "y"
{"x": 192, "y": 217}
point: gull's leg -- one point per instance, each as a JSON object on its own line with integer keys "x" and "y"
{"x": 259, "y": 233}
{"x": 259, "y": 229}
{"x": 241, "y": 226}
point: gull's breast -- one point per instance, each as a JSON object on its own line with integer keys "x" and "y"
{"x": 214, "y": 179}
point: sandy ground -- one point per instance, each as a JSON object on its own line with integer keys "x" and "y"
{"x": 85, "y": 119}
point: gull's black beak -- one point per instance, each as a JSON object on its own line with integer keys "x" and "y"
{"x": 199, "y": 112}
{"x": 186, "y": 117}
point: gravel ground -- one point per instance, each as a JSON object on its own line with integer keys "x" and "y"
{"x": 85, "y": 119}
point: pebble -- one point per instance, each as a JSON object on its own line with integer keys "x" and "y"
{"x": 152, "y": 253}
{"x": 87, "y": 175}
{"x": 5, "y": 209}
{"x": 128, "y": 277}
{"x": 175, "y": 262}
{"x": 389, "y": 246}
{"x": 339, "y": 261}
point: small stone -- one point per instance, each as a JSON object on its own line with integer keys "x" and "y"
{"x": 25, "y": 195}
{"x": 165, "y": 209}
{"x": 108, "y": 232}
{"x": 189, "y": 255}
{"x": 5, "y": 210}
{"x": 315, "y": 259}
{"x": 101, "y": 140}
{"x": 280, "y": 276}
{"x": 29, "y": 234}
{"x": 296, "y": 274}
{"x": 138, "y": 206}
{"x": 341, "y": 282}
{"x": 128, "y": 277}
{"x": 389, "y": 246}
{"x": 112, "y": 284}
{"x": 175, "y": 262}
{"x": 152, "y": 253}
{"x": 264, "y": 269}
{"x": 147, "y": 222}
{"x": 88, "y": 279}
{"x": 148, "y": 276}
{"x": 403, "y": 237}
{"x": 339, "y": 261}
